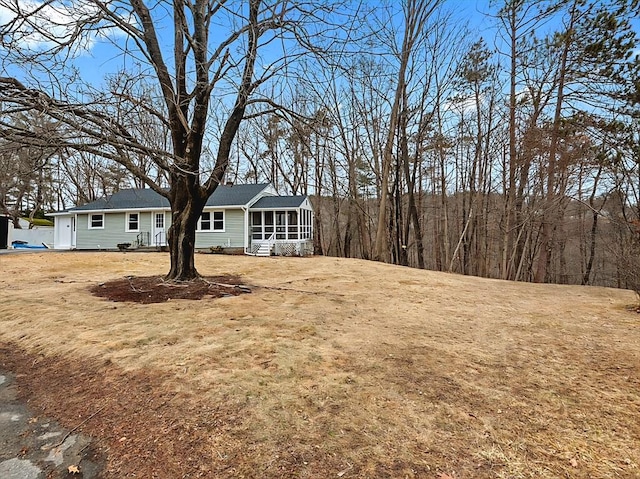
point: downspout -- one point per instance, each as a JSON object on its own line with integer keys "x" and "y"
{"x": 74, "y": 232}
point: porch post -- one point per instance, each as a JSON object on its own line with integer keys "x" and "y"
{"x": 74, "y": 231}
{"x": 247, "y": 230}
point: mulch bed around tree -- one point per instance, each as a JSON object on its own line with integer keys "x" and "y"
{"x": 154, "y": 289}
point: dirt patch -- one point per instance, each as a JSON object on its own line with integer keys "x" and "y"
{"x": 154, "y": 289}
{"x": 144, "y": 428}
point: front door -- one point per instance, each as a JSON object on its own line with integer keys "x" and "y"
{"x": 63, "y": 232}
{"x": 159, "y": 235}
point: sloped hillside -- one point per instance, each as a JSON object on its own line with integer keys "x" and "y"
{"x": 329, "y": 368}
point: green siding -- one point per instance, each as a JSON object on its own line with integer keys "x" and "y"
{"x": 112, "y": 233}
{"x": 233, "y": 235}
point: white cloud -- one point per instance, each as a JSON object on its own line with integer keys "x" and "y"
{"x": 47, "y": 24}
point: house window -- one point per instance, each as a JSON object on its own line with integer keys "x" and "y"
{"x": 96, "y": 221}
{"x": 205, "y": 221}
{"x": 133, "y": 222}
{"x": 211, "y": 221}
{"x": 218, "y": 221}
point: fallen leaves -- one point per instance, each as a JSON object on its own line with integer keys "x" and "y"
{"x": 73, "y": 469}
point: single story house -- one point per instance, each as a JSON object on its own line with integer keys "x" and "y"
{"x": 252, "y": 219}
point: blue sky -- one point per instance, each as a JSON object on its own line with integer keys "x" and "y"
{"x": 101, "y": 57}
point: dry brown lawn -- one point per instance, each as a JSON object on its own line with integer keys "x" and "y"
{"x": 329, "y": 368}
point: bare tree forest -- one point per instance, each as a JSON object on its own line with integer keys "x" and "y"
{"x": 501, "y": 143}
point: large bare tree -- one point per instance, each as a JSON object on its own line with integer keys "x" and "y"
{"x": 182, "y": 65}
{"x": 416, "y": 17}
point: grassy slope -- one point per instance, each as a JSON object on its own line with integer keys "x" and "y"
{"x": 336, "y": 366}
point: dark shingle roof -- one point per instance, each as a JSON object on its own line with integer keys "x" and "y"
{"x": 127, "y": 199}
{"x": 140, "y": 198}
{"x": 279, "y": 202}
{"x": 234, "y": 195}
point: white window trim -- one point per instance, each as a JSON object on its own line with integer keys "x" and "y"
{"x": 126, "y": 222}
{"x": 212, "y": 221}
{"x": 90, "y": 226}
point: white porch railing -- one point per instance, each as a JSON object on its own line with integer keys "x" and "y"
{"x": 280, "y": 247}
{"x": 263, "y": 247}
{"x": 160, "y": 239}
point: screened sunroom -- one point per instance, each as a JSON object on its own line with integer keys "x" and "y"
{"x": 281, "y": 226}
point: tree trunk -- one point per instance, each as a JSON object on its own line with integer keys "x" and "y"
{"x": 550, "y": 216}
{"x": 510, "y": 210}
{"x": 586, "y": 278}
{"x": 317, "y": 229}
{"x": 592, "y": 248}
{"x": 416, "y": 12}
{"x": 181, "y": 236}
